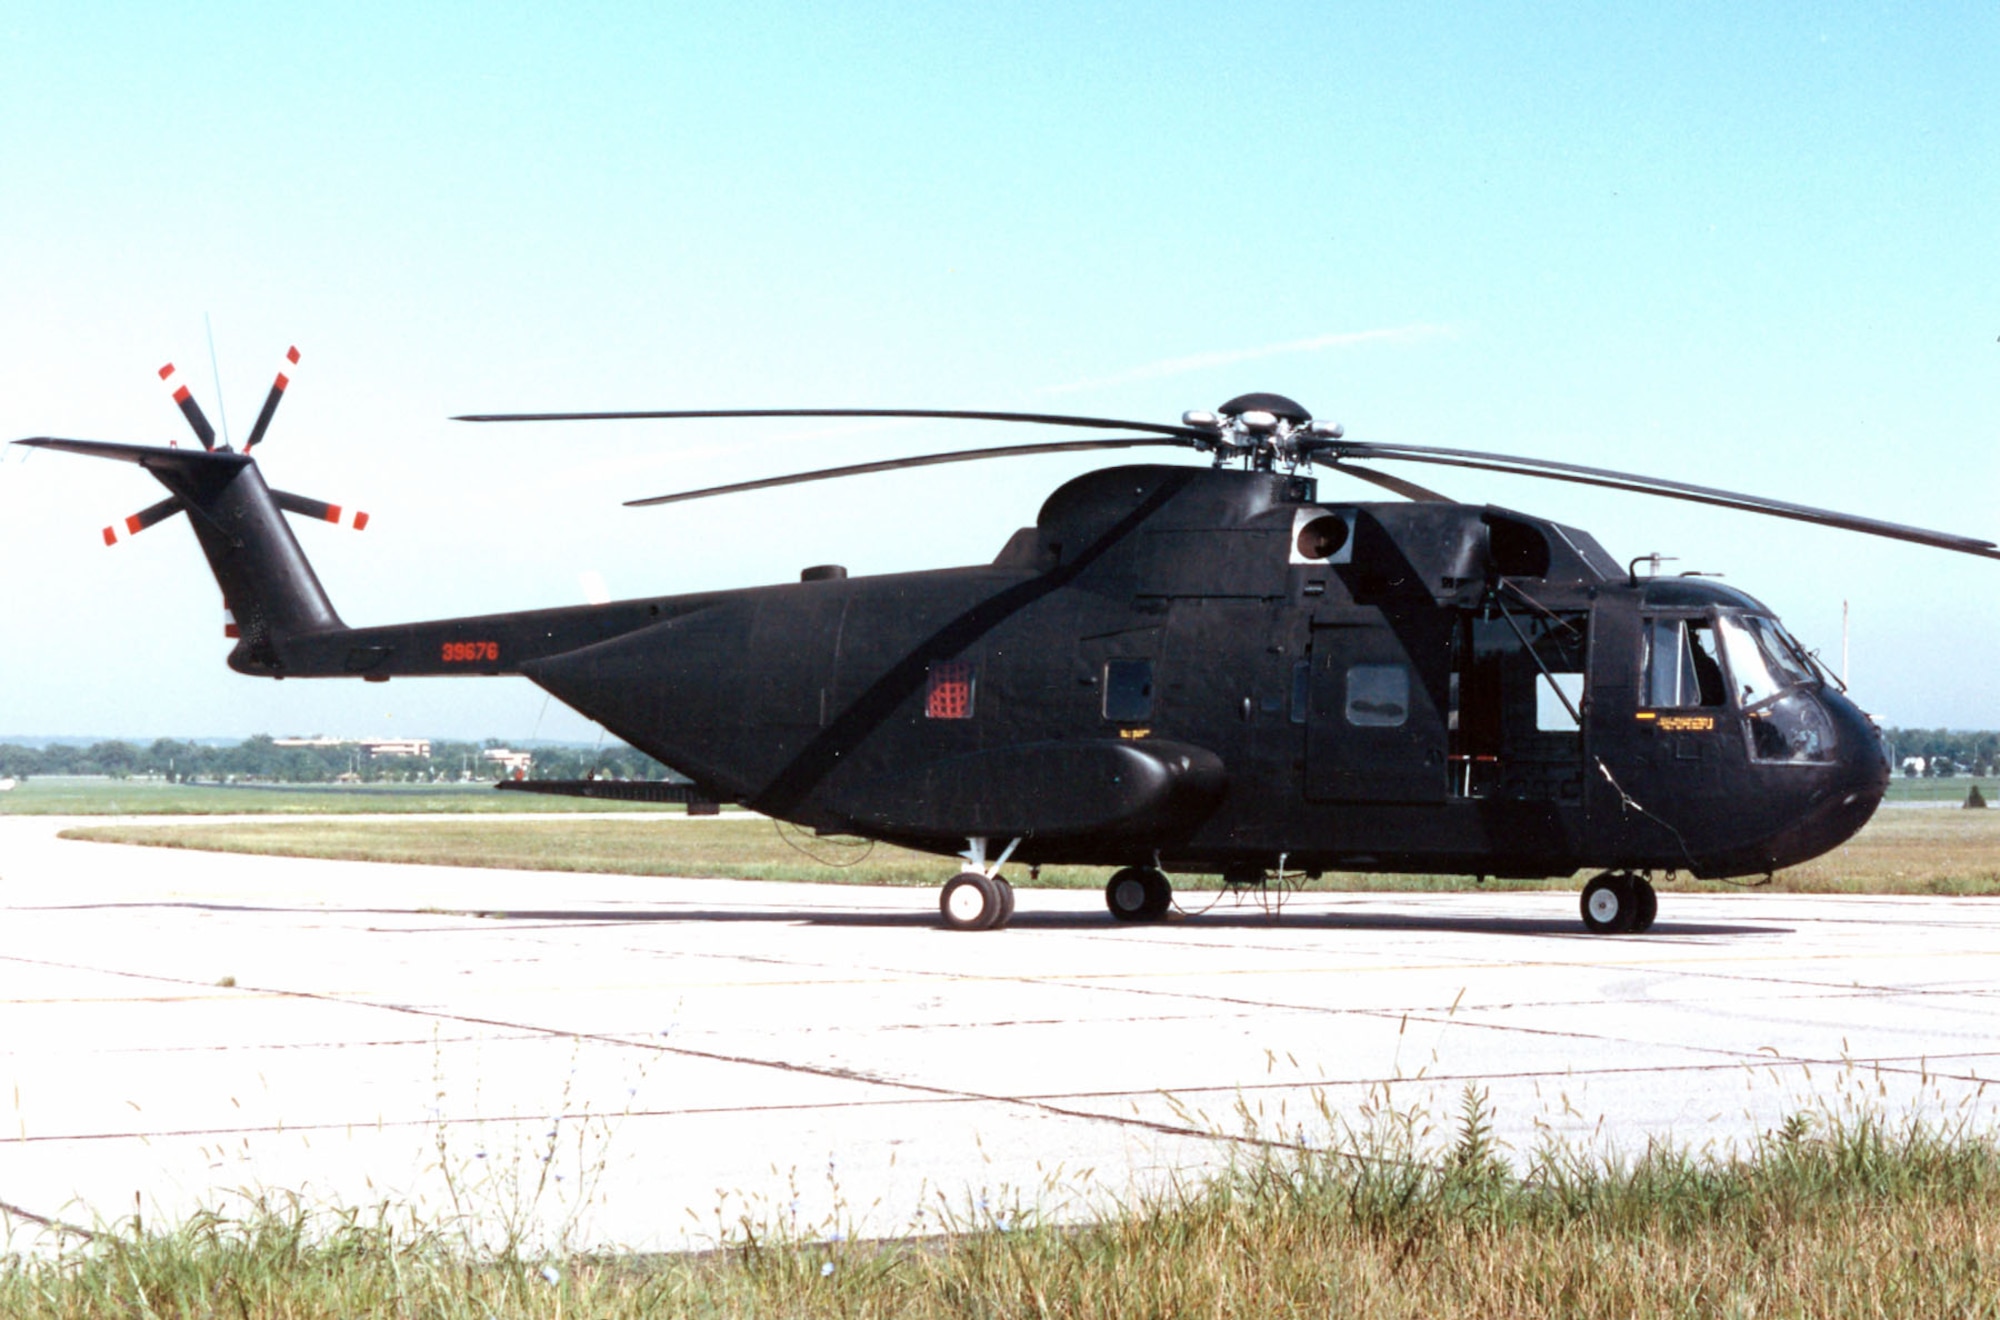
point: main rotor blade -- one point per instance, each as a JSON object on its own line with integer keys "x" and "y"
{"x": 1038, "y": 419}
{"x": 1661, "y": 486}
{"x": 894, "y": 464}
{"x": 1409, "y": 490}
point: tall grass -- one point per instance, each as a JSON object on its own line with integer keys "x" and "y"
{"x": 1823, "y": 1217}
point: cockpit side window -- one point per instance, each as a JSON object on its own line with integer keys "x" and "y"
{"x": 1762, "y": 660}
{"x": 1681, "y": 668}
{"x": 1788, "y": 658}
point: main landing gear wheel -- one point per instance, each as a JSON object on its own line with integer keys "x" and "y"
{"x": 1138, "y": 893}
{"x": 1649, "y": 905}
{"x": 1619, "y": 903}
{"x": 973, "y": 900}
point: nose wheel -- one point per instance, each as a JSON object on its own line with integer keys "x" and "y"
{"x": 1619, "y": 903}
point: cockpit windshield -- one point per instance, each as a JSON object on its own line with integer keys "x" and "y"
{"x": 1763, "y": 659}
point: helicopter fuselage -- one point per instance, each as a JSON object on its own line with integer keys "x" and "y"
{"x": 1213, "y": 670}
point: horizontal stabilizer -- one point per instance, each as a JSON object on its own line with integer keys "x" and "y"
{"x": 147, "y": 456}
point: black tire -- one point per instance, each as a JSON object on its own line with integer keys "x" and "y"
{"x": 1138, "y": 893}
{"x": 972, "y": 901}
{"x": 1610, "y": 904}
{"x": 1006, "y": 902}
{"x": 1646, "y": 905}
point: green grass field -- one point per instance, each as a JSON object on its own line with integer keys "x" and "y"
{"x": 1906, "y": 851}
{"x": 62, "y": 795}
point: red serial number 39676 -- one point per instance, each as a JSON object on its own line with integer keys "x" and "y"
{"x": 469, "y": 652}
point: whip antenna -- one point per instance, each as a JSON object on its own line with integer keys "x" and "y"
{"x": 215, "y": 371}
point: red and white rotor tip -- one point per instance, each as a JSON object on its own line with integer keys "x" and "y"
{"x": 131, "y": 526}
{"x": 278, "y": 387}
{"x": 191, "y": 410}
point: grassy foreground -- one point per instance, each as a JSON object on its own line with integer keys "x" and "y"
{"x": 1900, "y": 852}
{"x": 1853, "y": 1219}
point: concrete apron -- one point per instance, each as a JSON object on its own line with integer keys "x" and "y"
{"x": 608, "y": 1061}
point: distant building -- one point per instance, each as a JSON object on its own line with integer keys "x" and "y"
{"x": 396, "y": 746}
{"x": 514, "y": 763}
{"x": 384, "y": 747}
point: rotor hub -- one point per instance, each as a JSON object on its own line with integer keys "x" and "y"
{"x": 1266, "y": 431}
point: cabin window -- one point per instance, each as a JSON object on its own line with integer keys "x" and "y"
{"x": 1378, "y": 696}
{"x": 1128, "y": 690}
{"x": 949, "y": 696}
{"x": 1680, "y": 665}
{"x": 1557, "y": 695}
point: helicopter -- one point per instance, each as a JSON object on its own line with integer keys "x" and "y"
{"x": 1208, "y": 669}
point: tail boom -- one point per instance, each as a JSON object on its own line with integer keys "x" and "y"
{"x": 285, "y": 625}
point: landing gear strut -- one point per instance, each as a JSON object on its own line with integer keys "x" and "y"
{"x": 1138, "y": 893}
{"x": 1619, "y": 903}
{"x": 979, "y": 898}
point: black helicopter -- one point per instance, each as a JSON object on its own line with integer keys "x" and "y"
{"x": 1177, "y": 668}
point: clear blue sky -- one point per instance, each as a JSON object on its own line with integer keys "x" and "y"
{"x": 1752, "y": 246}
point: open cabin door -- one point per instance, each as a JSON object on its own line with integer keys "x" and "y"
{"x": 1520, "y": 705}
{"x": 1374, "y": 732}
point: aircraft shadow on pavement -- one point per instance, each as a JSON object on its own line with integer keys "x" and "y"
{"x": 1242, "y": 918}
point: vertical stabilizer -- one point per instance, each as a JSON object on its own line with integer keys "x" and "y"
{"x": 266, "y": 581}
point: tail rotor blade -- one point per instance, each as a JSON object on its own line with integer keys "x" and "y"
{"x": 307, "y": 507}
{"x": 271, "y": 400}
{"x": 189, "y": 408}
{"x": 147, "y": 517}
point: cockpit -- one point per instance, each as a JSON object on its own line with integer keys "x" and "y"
{"x": 1739, "y": 658}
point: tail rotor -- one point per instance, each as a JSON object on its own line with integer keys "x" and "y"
{"x": 303, "y": 505}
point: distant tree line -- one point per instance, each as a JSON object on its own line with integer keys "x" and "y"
{"x": 1946, "y": 752}
{"x": 261, "y": 760}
